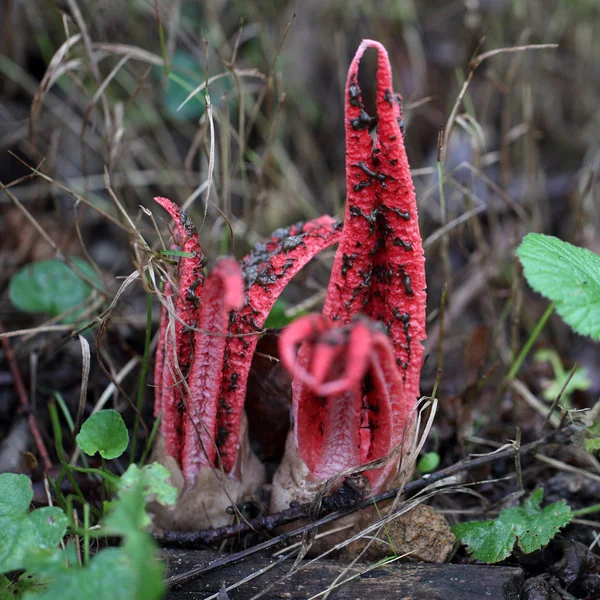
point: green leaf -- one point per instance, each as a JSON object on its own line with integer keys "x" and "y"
{"x": 10, "y": 590}
{"x": 535, "y": 526}
{"x": 107, "y": 577}
{"x": 130, "y": 572}
{"x": 592, "y": 444}
{"x": 156, "y": 482}
{"x": 179, "y": 86}
{"x": 579, "y": 380}
{"x": 428, "y": 462}
{"x": 128, "y": 519}
{"x": 21, "y": 531}
{"x": 16, "y": 494}
{"x": 278, "y": 318}
{"x": 489, "y": 541}
{"x": 592, "y": 438}
{"x": 530, "y": 525}
{"x": 567, "y": 275}
{"x": 51, "y": 287}
{"x": 104, "y": 432}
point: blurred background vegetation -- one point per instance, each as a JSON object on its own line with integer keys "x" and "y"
{"x": 89, "y": 90}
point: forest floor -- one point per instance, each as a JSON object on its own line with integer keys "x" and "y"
{"x": 90, "y": 132}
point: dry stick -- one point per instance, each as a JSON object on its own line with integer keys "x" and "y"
{"x": 560, "y": 395}
{"x": 34, "y": 331}
{"x": 440, "y": 350}
{"x": 24, "y": 400}
{"x": 269, "y": 522}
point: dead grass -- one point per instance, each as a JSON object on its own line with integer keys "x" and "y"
{"x": 84, "y": 102}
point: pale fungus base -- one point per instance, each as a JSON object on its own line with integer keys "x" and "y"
{"x": 205, "y": 503}
{"x": 420, "y": 533}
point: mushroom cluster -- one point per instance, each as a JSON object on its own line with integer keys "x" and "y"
{"x": 356, "y": 366}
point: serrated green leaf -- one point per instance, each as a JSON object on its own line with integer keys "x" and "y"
{"x": 534, "y": 526}
{"x": 488, "y": 541}
{"x": 534, "y": 500}
{"x": 51, "y": 287}
{"x": 592, "y": 438}
{"x": 567, "y": 275}
{"x": 156, "y": 482}
{"x": 130, "y": 572}
{"x": 104, "y": 432}
{"x": 22, "y": 532}
{"x": 27, "y": 582}
{"x": 530, "y": 525}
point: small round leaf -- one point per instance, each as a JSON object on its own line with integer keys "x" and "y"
{"x": 104, "y": 432}
{"x": 16, "y": 493}
{"x": 51, "y": 287}
{"x": 428, "y": 462}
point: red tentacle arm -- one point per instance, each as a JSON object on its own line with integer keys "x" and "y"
{"x": 379, "y": 266}
{"x": 159, "y": 363}
{"x": 187, "y": 300}
{"x": 267, "y": 270}
{"x": 328, "y": 347}
{"x": 353, "y": 413}
{"x": 223, "y": 292}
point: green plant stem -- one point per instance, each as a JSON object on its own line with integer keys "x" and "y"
{"x": 104, "y": 473}
{"x": 86, "y": 534}
{"x": 143, "y": 374}
{"x": 103, "y": 486}
{"x": 60, "y": 452}
{"x": 387, "y": 533}
{"x": 64, "y": 409}
{"x": 445, "y": 241}
{"x": 514, "y": 369}
{"x": 163, "y": 45}
{"x": 587, "y": 510}
{"x": 150, "y": 440}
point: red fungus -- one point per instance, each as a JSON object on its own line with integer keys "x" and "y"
{"x": 325, "y": 349}
{"x": 202, "y": 416}
{"x": 187, "y": 299}
{"x": 379, "y": 265}
{"x": 267, "y": 270}
{"x": 223, "y": 292}
{"x": 354, "y": 388}
{"x": 335, "y": 429}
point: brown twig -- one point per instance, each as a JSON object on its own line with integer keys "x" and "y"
{"x": 24, "y": 400}
{"x": 330, "y": 514}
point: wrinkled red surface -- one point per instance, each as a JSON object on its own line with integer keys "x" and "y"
{"x": 379, "y": 265}
{"x": 267, "y": 269}
{"x": 186, "y": 300}
{"x": 352, "y": 397}
{"x": 353, "y": 411}
{"x": 223, "y": 292}
{"x": 159, "y": 364}
{"x": 330, "y": 348}
{"x": 202, "y": 413}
